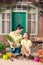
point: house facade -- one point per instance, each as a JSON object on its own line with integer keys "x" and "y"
{"x": 22, "y": 12}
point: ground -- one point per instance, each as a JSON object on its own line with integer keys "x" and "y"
{"x": 19, "y": 61}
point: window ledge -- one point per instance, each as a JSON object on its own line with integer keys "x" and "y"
{"x": 33, "y": 34}
{"x": 4, "y": 33}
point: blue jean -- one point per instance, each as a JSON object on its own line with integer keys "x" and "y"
{"x": 16, "y": 50}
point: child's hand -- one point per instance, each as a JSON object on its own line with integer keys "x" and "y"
{"x": 27, "y": 55}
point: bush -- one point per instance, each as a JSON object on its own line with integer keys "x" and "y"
{"x": 2, "y": 46}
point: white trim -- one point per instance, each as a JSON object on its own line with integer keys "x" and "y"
{"x": 4, "y": 33}
{"x": 33, "y": 34}
{"x": 19, "y": 10}
{"x": 37, "y": 21}
{"x": 7, "y": 11}
{"x": 26, "y": 21}
{"x": 11, "y": 22}
{"x": 0, "y": 23}
{"x": 36, "y": 12}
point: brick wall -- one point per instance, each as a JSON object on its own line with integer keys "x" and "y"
{"x": 40, "y": 26}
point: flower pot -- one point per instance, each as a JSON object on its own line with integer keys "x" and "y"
{"x": 5, "y": 56}
{"x": 36, "y": 59}
{"x": 40, "y": 52}
{"x": 41, "y": 58}
{"x": 9, "y": 54}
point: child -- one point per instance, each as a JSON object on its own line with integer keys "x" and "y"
{"x": 26, "y": 45}
{"x": 17, "y": 37}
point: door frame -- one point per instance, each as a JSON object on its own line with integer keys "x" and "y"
{"x": 25, "y": 11}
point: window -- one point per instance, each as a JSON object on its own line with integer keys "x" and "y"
{"x": 19, "y": 7}
{"x": 32, "y": 22}
{"x": 5, "y": 22}
{"x": 24, "y": 7}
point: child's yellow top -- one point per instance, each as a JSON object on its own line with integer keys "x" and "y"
{"x": 27, "y": 44}
{"x": 17, "y": 38}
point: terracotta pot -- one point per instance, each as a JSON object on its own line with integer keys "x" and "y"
{"x": 41, "y": 60}
{"x": 40, "y": 52}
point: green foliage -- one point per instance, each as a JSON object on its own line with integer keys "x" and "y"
{"x": 9, "y": 38}
{"x": 2, "y": 46}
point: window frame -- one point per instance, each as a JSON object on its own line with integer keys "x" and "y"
{"x": 35, "y": 12}
{"x": 9, "y": 19}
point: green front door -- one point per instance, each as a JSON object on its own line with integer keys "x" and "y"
{"x": 18, "y": 18}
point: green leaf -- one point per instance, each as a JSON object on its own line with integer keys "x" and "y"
{"x": 9, "y": 38}
{"x": 2, "y": 46}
